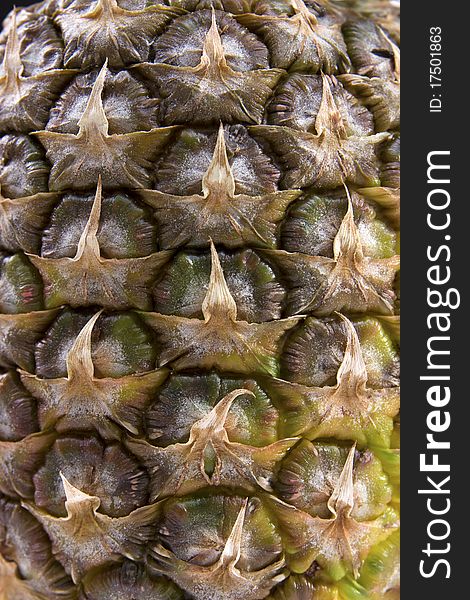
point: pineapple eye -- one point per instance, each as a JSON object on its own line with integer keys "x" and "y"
{"x": 120, "y": 344}
{"x": 18, "y": 415}
{"x": 185, "y": 399}
{"x": 23, "y": 168}
{"x": 126, "y": 103}
{"x": 41, "y": 48}
{"x": 181, "y": 170}
{"x": 313, "y": 222}
{"x": 126, "y": 229}
{"x": 20, "y": 286}
{"x": 243, "y": 50}
{"x": 98, "y": 470}
{"x": 252, "y": 282}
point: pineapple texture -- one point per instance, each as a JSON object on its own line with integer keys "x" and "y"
{"x": 199, "y": 386}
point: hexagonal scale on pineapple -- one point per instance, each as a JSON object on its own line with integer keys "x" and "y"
{"x": 211, "y": 91}
{"x": 348, "y": 282}
{"x": 83, "y": 401}
{"x": 307, "y": 475}
{"x": 28, "y": 570}
{"x": 382, "y": 97}
{"x": 19, "y": 460}
{"x": 126, "y": 228}
{"x": 121, "y": 344}
{"x": 297, "y": 103}
{"x": 96, "y": 468}
{"x": 21, "y": 288}
{"x": 209, "y": 457}
{"x": 329, "y": 157}
{"x": 107, "y": 31}
{"x": 348, "y": 410}
{"x": 313, "y": 222}
{"x": 220, "y": 340}
{"x": 22, "y": 220}
{"x": 19, "y": 333}
{"x": 18, "y": 416}
{"x": 372, "y": 52}
{"x": 310, "y": 38}
{"x": 129, "y": 580}
{"x": 185, "y": 399}
{"x": 243, "y": 51}
{"x": 23, "y": 168}
{"x": 228, "y": 218}
{"x": 122, "y": 160}
{"x": 86, "y": 538}
{"x": 126, "y": 103}
{"x": 40, "y": 46}
{"x": 255, "y": 288}
{"x": 341, "y": 541}
{"x": 313, "y": 353}
{"x": 181, "y": 170}
{"x": 225, "y": 548}
{"x": 26, "y": 100}
{"x": 88, "y": 279}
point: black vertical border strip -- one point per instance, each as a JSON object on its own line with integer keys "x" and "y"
{"x": 424, "y": 132}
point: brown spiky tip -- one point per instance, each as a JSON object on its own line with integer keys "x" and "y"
{"x": 224, "y": 41}
{"x": 303, "y": 99}
{"x": 11, "y": 68}
{"x": 350, "y": 409}
{"x": 340, "y": 155}
{"x": 104, "y": 30}
{"x": 119, "y": 159}
{"x": 28, "y": 91}
{"x": 306, "y": 362}
{"x": 126, "y": 230}
{"x": 211, "y": 90}
{"x": 355, "y": 505}
{"x": 38, "y": 43}
{"x": 350, "y": 282}
{"x": 313, "y": 222}
{"x": 234, "y": 569}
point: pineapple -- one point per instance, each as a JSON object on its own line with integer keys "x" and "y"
{"x": 199, "y": 333}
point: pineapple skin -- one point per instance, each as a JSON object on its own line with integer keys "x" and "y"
{"x": 199, "y": 333}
